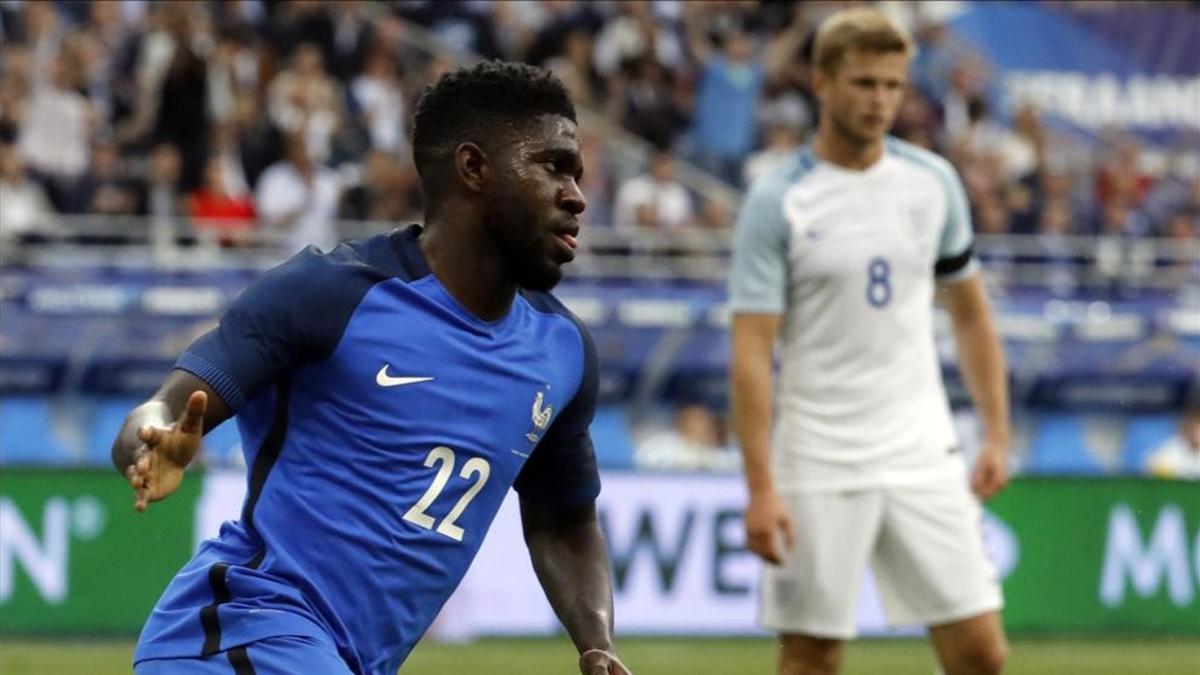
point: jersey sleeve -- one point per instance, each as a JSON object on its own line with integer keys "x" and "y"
{"x": 956, "y": 259}
{"x": 292, "y": 316}
{"x": 759, "y": 277}
{"x": 562, "y": 469}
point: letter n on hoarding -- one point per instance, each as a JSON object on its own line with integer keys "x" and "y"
{"x": 44, "y": 561}
{"x": 1165, "y": 555}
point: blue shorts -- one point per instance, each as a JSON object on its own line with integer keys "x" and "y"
{"x": 283, "y": 655}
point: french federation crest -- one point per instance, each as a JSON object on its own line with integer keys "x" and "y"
{"x": 541, "y": 417}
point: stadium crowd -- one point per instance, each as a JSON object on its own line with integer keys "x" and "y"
{"x": 290, "y": 115}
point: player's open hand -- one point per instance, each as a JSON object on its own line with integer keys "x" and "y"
{"x": 767, "y": 523}
{"x": 601, "y": 662}
{"x": 990, "y": 475}
{"x": 159, "y": 462}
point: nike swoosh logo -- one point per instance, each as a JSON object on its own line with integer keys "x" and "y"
{"x": 384, "y": 380}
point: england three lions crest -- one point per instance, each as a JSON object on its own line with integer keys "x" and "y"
{"x": 541, "y": 417}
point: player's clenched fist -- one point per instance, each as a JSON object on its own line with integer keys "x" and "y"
{"x": 157, "y": 469}
{"x": 766, "y": 521}
{"x": 601, "y": 662}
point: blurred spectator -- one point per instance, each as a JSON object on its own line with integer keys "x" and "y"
{"x": 654, "y": 200}
{"x": 786, "y": 58}
{"x": 966, "y": 85}
{"x": 1017, "y": 154}
{"x": 109, "y": 188}
{"x": 304, "y": 99}
{"x": 1056, "y": 254}
{"x": 693, "y": 443}
{"x": 206, "y": 79}
{"x": 302, "y": 22}
{"x": 163, "y": 198}
{"x": 992, "y": 216}
{"x": 224, "y": 151}
{"x": 1121, "y": 259}
{"x": 55, "y": 126}
{"x": 14, "y": 90}
{"x": 259, "y": 143}
{"x": 387, "y": 191}
{"x": 379, "y": 99}
{"x": 24, "y": 208}
{"x": 1179, "y": 255}
{"x": 716, "y": 213}
{"x": 934, "y": 61}
{"x": 298, "y": 197}
{"x": 353, "y": 38}
{"x": 645, "y": 103}
{"x": 917, "y": 122}
{"x": 1052, "y": 183}
{"x": 461, "y": 26}
{"x": 536, "y": 32}
{"x": 1178, "y": 189}
{"x": 574, "y": 68}
{"x": 783, "y": 141}
{"x": 725, "y": 120}
{"x": 1123, "y": 176}
{"x": 633, "y": 35}
{"x": 992, "y": 219}
{"x": 1179, "y": 456}
{"x": 176, "y": 81}
{"x": 220, "y": 209}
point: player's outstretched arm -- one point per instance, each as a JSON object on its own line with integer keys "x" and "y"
{"x": 571, "y": 562}
{"x": 161, "y": 436}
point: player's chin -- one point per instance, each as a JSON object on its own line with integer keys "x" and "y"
{"x": 541, "y": 277}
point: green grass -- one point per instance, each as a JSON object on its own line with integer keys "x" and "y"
{"x": 675, "y": 657}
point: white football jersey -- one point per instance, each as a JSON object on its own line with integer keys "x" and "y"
{"x": 849, "y": 258}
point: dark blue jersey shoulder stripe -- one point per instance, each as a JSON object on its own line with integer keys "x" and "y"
{"x": 296, "y": 314}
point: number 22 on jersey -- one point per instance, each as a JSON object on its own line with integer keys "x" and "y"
{"x": 476, "y": 467}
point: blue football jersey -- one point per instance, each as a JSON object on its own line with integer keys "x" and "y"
{"x": 383, "y": 425}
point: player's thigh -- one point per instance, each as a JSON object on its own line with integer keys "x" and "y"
{"x": 972, "y": 645}
{"x": 282, "y": 655}
{"x": 929, "y": 561}
{"x": 815, "y": 591}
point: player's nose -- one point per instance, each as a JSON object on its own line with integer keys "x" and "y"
{"x": 571, "y": 199}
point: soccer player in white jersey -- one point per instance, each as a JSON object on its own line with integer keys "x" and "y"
{"x": 838, "y": 252}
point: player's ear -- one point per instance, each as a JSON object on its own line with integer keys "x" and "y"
{"x": 470, "y": 162}
{"x": 819, "y": 79}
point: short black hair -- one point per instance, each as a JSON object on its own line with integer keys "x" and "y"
{"x": 482, "y": 104}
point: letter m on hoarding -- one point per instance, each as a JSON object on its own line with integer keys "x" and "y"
{"x": 1165, "y": 555}
{"x": 44, "y": 561}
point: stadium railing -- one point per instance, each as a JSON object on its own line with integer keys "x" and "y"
{"x": 1067, "y": 265}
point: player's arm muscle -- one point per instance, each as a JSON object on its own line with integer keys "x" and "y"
{"x": 571, "y": 561}
{"x": 162, "y": 410}
{"x": 980, "y": 354}
{"x": 753, "y": 345}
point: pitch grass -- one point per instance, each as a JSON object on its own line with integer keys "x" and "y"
{"x": 1119, "y": 656}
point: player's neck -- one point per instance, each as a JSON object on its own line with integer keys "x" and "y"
{"x": 848, "y": 153}
{"x": 467, "y": 268}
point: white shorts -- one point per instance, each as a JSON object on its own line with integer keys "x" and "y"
{"x": 924, "y": 544}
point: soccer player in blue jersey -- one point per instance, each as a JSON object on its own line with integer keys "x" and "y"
{"x": 388, "y": 393}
